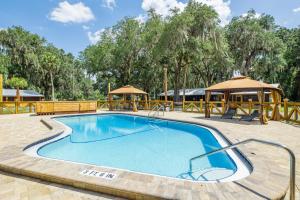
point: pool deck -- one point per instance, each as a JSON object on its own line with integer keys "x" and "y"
{"x": 269, "y": 179}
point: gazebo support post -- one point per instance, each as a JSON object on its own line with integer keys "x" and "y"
{"x": 226, "y": 98}
{"x": 261, "y": 97}
{"x": 134, "y": 108}
{"x": 207, "y": 99}
{"x": 276, "y": 101}
{"x": 146, "y": 102}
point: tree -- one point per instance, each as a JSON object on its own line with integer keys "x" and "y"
{"x": 51, "y": 64}
{"x": 17, "y": 83}
{"x": 127, "y": 37}
{"x": 256, "y": 49}
{"x": 290, "y": 74}
{"x": 148, "y": 71}
{"x": 22, "y": 47}
{"x": 194, "y": 38}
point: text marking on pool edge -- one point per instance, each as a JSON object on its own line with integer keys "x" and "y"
{"x": 105, "y": 175}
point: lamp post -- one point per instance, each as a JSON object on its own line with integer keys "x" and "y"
{"x": 166, "y": 82}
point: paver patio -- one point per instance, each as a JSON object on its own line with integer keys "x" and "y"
{"x": 268, "y": 180}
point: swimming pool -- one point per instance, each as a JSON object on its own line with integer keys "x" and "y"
{"x": 145, "y": 145}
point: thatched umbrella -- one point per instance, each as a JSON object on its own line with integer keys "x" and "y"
{"x": 243, "y": 83}
{"x": 129, "y": 90}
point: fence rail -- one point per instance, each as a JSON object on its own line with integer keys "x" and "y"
{"x": 127, "y": 105}
{"x": 289, "y": 111}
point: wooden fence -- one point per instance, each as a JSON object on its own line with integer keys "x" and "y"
{"x": 47, "y": 107}
{"x": 127, "y": 105}
{"x": 289, "y": 111}
{"x": 17, "y": 107}
{"x": 54, "y": 107}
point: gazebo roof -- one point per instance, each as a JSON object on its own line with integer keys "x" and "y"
{"x": 241, "y": 83}
{"x": 128, "y": 89}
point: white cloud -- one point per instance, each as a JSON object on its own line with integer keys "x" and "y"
{"x": 111, "y": 4}
{"x": 96, "y": 36}
{"x": 257, "y": 15}
{"x": 222, "y": 8}
{"x": 163, "y": 7}
{"x": 141, "y": 18}
{"x": 85, "y": 27}
{"x": 72, "y": 13}
{"x": 296, "y": 10}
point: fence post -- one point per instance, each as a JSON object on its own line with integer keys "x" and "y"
{"x": 30, "y": 107}
{"x": 16, "y": 107}
{"x": 201, "y": 105}
{"x": 286, "y": 108}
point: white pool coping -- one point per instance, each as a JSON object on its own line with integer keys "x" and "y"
{"x": 243, "y": 166}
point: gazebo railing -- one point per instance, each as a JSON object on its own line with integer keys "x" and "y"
{"x": 288, "y": 111}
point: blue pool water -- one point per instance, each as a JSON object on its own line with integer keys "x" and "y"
{"x": 141, "y": 144}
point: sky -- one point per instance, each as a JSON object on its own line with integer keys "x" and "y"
{"x": 74, "y": 24}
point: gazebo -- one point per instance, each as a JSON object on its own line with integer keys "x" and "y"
{"x": 243, "y": 84}
{"x": 131, "y": 91}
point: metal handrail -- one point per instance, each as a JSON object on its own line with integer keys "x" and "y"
{"x": 292, "y": 159}
{"x": 154, "y": 108}
{"x": 157, "y": 109}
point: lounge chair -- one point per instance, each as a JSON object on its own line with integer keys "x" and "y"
{"x": 229, "y": 113}
{"x": 250, "y": 117}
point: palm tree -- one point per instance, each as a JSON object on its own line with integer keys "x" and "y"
{"x": 17, "y": 83}
{"x": 50, "y": 63}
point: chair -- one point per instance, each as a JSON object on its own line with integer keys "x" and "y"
{"x": 229, "y": 113}
{"x": 250, "y": 117}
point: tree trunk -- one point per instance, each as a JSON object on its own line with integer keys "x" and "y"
{"x": 184, "y": 81}
{"x": 297, "y": 87}
{"x": 52, "y": 86}
{"x": 247, "y": 65}
{"x": 176, "y": 84}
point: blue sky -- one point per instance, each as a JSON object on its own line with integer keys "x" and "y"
{"x": 74, "y": 24}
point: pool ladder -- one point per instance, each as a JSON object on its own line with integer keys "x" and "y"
{"x": 156, "y": 109}
{"x": 292, "y": 159}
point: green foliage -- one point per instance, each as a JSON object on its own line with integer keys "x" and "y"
{"x": 197, "y": 51}
{"x": 29, "y": 56}
{"x": 290, "y": 75}
{"x": 16, "y": 82}
{"x": 256, "y": 49}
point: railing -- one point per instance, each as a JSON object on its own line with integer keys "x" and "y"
{"x": 292, "y": 159}
{"x": 292, "y": 111}
{"x": 289, "y": 111}
{"x": 16, "y": 107}
{"x": 128, "y": 104}
{"x": 155, "y": 110}
{"x": 216, "y": 107}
